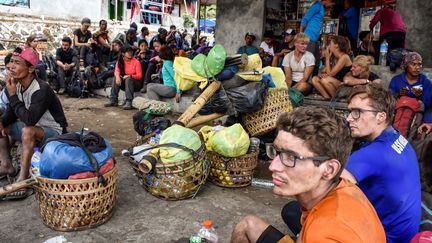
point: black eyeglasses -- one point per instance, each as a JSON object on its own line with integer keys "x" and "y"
{"x": 356, "y": 112}
{"x": 289, "y": 158}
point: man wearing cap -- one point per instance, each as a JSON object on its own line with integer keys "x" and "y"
{"x": 131, "y": 39}
{"x": 81, "y": 40}
{"x": 33, "y": 115}
{"x": 413, "y": 83}
{"x": 286, "y": 47}
{"x": 67, "y": 63}
{"x": 161, "y": 36}
{"x": 249, "y": 48}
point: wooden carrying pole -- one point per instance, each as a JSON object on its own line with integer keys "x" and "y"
{"x": 199, "y": 102}
{"x": 4, "y": 190}
{"x": 203, "y": 119}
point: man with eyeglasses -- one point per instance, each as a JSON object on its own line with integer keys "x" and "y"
{"x": 33, "y": 115}
{"x": 309, "y": 154}
{"x": 413, "y": 83}
{"x": 385, "y": 167}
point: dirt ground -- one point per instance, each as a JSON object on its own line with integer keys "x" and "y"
{"x": 139, "y": 216}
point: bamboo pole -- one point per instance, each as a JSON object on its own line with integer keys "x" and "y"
{"x": 199, "y": 102}
{"x": 4, "y": 190}
{"x": 203, "y": 119}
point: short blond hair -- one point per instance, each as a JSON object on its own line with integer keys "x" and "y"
{"x": 364, "y": 61}
{"x": 301, "y": 37}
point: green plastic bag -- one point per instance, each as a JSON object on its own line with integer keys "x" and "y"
{"x": 198, "y": 65}
{"x": 295, "y": 97}
{"x": 230, "y": 141}
{"x": 216, "y": 59}
{"x": 179, "y": 135}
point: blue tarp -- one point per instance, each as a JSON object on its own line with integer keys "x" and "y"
{"x": 210, "y": 25}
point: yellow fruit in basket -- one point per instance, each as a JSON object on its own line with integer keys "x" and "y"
{"x": 221, "y": 178}
{"x": 228, "y": 178}
{"x": 230, "y": 183}
{"x": 225, "y": 173}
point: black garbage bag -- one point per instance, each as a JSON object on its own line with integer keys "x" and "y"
{"x": 218, "y": 103}
{"x": 249, "y": 97}
{"x": 234, "y": 82}
{"x": 145, "y": 123}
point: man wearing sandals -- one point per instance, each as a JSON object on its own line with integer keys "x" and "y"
{"x": 33, "y": 115}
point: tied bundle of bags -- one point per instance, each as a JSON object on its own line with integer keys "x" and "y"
{"x": 212, "y": 64}
{"x": 76, "y": 156}
{"x": 230, "y": 141}
{"x": 181, "y": 136}
{"x": 185, "y": 77}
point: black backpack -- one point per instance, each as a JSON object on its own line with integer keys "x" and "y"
{"x": 93, "y": 80}
{"x": 395, "y": 57}
{"x": 77, "y": 88}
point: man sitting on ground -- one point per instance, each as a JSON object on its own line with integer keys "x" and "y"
{"x": 81, "y": 40}
{"x": 308, "y": 155}
{"x": 413, "y": 83}
{"x": 34, "y": 113}
{"x": 284, "y": 48}
{"x": 67, "y": 63}
{"x": 386, "y": 167}
{"x": 249, "y": 48}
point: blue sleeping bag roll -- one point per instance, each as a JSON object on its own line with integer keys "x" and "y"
{"x": 60, "y": 160}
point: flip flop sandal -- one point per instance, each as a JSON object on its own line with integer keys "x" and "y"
{"x": 18, "y": 195}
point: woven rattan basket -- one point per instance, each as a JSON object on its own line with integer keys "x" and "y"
{"x": 71, "y": 205}
{"x": 174, "y": 181}
{"x": 232, "y": 172}
{"x": 264, "y": 120}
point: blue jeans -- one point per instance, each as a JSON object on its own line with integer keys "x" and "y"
{"x": 16, "y": 132}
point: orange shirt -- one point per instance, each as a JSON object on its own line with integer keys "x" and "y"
{"x": 344, "y": 215}
{"x": 132, "y": 68}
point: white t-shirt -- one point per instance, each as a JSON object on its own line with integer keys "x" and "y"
{"x": 298, "y": 68}
{"x": 266, "y": 48}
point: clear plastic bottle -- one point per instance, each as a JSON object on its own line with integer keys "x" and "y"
{"x": 383, "y": 53}
{"x": 155, "y": 139}
{"x": 35, "y": 162}
{"x": 208, "y": 232}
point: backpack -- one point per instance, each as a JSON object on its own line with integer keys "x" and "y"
{"x": 409, "y": 115}
{"x": 94, "y": 81}
{"x": 77, "y": 88}
{"x": 395, "y": 57}
{"x": 423, "y": 147}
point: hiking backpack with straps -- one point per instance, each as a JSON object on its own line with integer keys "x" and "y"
{"x": 408, "y": 115}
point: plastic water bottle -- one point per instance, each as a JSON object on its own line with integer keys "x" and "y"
{"x": 383, "y": 53}
{"x": 262, "y": 183}
{"x": 206, "y": 234}
{"x": 155, "y": 139}
{"x": 35, "y": 162}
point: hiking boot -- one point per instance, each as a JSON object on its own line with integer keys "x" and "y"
{"x": 128, "y": 106}
{"x": 61, "y": 91}
{"x": 111, "y": 103}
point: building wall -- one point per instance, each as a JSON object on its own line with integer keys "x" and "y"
{"x": 59, "y": 8}
{"x": 417, "y": 15}
{"x": 235, "y": 18}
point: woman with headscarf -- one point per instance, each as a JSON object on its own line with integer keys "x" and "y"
{"x": 413, "y": 83}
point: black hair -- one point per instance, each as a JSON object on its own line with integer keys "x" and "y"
{"x": 166, "y": 53}
{"x": 120, "y": 61}
{"x": 142, "y": 41}
{"x": 268, "y": 34}
{"x": 118, "y": 41}
{"x": 144, "y": 28}
{"x": 67, "y": 39}
{"x": 8, "y": 58}
{"x": 363, "y": 34}
{"x": 173, "y": 27}
{"x": 102, "y": 21}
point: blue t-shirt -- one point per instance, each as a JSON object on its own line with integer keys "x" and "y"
{"x": 398, "y": 82}
{"x": 313, "y": 20}
{"x": 249, "y": 50}
{"x": 387, "y": 172}
{"x": 352, "y": 21}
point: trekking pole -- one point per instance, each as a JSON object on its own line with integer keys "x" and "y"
{"x": 5, "y": 190}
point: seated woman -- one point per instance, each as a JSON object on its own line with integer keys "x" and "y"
{"x": 358, "y": 75}
{"x": 152, "y": 64}
{"x": 299, "y": 64}
{"x": 169, "y": 88}
{"x": 329, "y": 80}
{"x": 128, "y": 77}
{"x": 143, "y": 54}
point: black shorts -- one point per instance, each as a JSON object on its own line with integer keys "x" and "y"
{"x": 271, "y": 234}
